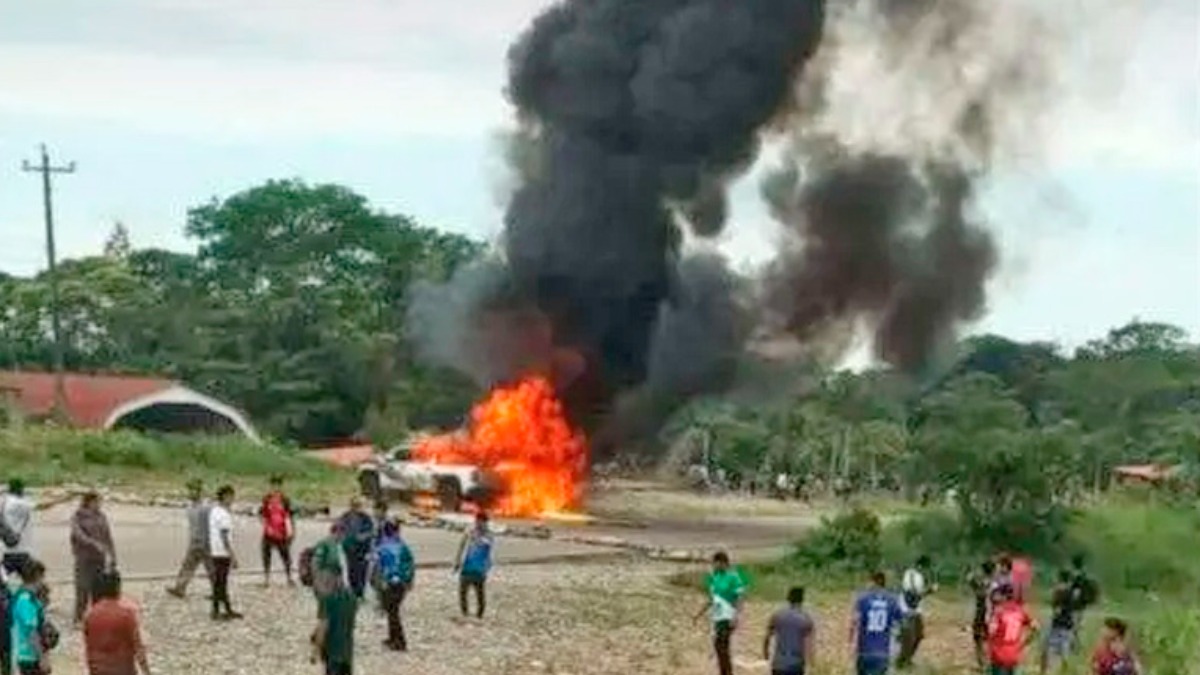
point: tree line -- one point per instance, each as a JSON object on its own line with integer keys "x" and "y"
{"x": 1008, "y": 425}
{"x": 292, "y": 307}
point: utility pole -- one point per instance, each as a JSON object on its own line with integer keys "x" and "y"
{"x": 44, "y": 168}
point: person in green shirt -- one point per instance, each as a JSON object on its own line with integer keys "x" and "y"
{"x": 333, "y": 639}
{"x": 726, "y": 590}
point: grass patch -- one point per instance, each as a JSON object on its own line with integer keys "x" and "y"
{"x": 45, "y": 456}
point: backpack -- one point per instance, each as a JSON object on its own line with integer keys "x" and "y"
{"x": 391, "y": 565}
{"x": 305, "y": 566}
{"x": 8, "y": 535}
{"x": 1086, "y": 590}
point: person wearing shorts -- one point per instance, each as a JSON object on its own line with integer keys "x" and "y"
{"x": 1060, "y": 639}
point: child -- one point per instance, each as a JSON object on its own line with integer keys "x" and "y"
{"x": 32, "y": 637}
{"x": 1113, "y": 656}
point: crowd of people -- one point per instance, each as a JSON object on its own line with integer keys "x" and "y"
{"x": 366, "y": 554}
{"x": 1003, "y": 627}
{"x": 363, "y": 554}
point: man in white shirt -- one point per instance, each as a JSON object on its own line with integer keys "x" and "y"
{"x": 914, "y": 587}
{"x": 222, "y": 558}
{"x": 17, "y": 511}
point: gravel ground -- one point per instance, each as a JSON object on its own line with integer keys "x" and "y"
{"x": 598, "y": 619}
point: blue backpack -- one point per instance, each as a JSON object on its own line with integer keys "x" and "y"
{"x": 478, "y": 558}
{"x": 395, "y": 567}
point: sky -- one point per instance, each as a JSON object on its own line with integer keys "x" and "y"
{"x": 166, "y": 104}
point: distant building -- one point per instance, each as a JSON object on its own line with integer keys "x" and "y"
{"x": 120, "y": 402}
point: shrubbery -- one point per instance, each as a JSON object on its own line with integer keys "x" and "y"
{"x": 47, "y": 456}
{"x": 850, "y": 543}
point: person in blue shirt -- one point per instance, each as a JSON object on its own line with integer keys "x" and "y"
{"x": 394, "y": 568}
{"x": 473, "y": 563}
{"x": 875, "y": 616}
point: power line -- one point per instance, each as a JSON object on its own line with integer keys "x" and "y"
{"x": 46, "y": 169}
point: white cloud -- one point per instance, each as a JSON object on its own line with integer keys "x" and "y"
{"x": 366, "y": 68}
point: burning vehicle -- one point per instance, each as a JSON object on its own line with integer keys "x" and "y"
{"x": 517, "y": 456}
{"x": 394, "y": 475}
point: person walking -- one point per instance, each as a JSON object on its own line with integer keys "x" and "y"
{"x": 1011, "y": 630}
{"x": 197, "y": 553}
{"x": 16, "y": 512}
{"x": 222, "y": 559}
{"x": 278, "y": 530}
{"x": 914, "y": 586}
{"x": 473, "y": 563}
{"x": 93, "y": 550}
{"x": 794, "y": 634}
{"x": 30, "y": 643}
{"x": 358, "y": 530}
{"x": 393, "y": 561}
{"x": 726, "y": 592}
{"x": 112, "y": 633}
{"x": 873, "y": 620}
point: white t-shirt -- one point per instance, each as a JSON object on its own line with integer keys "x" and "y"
{"x": 18, "y": 513}
{"x": 219, "y": 520}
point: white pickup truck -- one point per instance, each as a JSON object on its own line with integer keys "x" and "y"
{"x": 392, "y": 475}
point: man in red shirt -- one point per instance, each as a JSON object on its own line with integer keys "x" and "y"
{"x": 276, "y": 514}
{"x": 112, "y": 638}
{"x": 1112, "y": 656}
{"x": 1009, "y": 631}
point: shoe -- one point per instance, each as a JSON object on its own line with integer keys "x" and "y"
{"x": 175, "y": 592}
{"x": 233, "y": 616}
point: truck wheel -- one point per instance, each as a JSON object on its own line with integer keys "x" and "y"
{"x": 368, "y": 482}
{"x": 450, "y": 495}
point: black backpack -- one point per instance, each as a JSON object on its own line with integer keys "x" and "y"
{"x": 1086, "y": 590}
{"x": 305, "y": 566}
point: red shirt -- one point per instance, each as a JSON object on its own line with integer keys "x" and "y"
{"x": 1106, "y": 661}
{"x": 1022, "y": 577}
{"x": 112, "y": 638}
{"x": 1006, "y": 634}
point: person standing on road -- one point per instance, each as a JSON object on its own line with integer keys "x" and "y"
{"x": 112, "y": 634}
{"x": 473, "y": 563}
{"x": 875, "y": 616}
{"x": 16, "y": 510}
{"x": 221, "y": 554}
{"x": 393, "y": 562}
{"x": 794, "y": 634}
{"x": 359, "y": 530}
{"x": 28, "y": 631}
{"x": 914, "y": 586}
{"x": 726, "y": 592}
{"x": 333, "y": 638}
{"x": 197, "y": 553}
{"x": 93, "y": 550}
{"x": 278, "y": 530}
{"x": 1010, "y": 631}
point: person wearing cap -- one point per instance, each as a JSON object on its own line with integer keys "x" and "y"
{"x": 197, "y": 548}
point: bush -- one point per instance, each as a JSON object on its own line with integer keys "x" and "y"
{"x": 48, "y": 456}
{"x": 850, "y": 543}
{"x": 1142, "y": 547}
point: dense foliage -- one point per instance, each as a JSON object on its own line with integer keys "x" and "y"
{"x": 292, "y": 307}
{"x": 1015, "y": 436}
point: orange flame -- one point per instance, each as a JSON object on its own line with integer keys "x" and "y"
{"x": 520, "y": 434}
